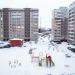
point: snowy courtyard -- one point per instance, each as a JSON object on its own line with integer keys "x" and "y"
{"x": 18, "y": 61}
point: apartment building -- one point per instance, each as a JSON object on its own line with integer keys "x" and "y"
{"x": 19, "y": 23}
{"x": 60, "y": 23}
{"x": 1, "y": 25}
{"x": 71, "y": 24}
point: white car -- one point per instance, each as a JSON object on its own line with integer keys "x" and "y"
{"x": 4, "y": 44}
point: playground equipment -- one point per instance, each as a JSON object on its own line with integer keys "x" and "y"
{"x": 42, "y": 59}
{"x": 49, "y": 60}
{"x": 30, "y": 51}
{"x": 34, "y": 56}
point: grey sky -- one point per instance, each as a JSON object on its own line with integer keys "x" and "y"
{"x": 45, "y": 7}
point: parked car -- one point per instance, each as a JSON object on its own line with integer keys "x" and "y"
{"x": 4, "y": 44}
{"x": 71, "y": 47}
{"x": 58, "y": 42}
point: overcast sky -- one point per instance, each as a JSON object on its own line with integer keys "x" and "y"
{"x": 45, "y": 7}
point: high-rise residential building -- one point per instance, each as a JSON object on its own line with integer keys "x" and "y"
{"x": 19, "y": 23}
{"x": 60, "y": 23}
{"x": 1, "y": 25}
{"x": 71, "y": 24}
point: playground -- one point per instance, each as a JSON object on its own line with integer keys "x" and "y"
{"x": 41, "y": 58}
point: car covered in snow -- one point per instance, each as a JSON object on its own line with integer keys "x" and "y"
{"x": 71, "y": 47}
{"x": 4, "y": 44}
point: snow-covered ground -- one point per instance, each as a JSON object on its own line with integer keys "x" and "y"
{"x": 17, "y": 60}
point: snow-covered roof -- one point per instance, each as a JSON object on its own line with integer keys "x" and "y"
{"x": 16, "y": 39}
